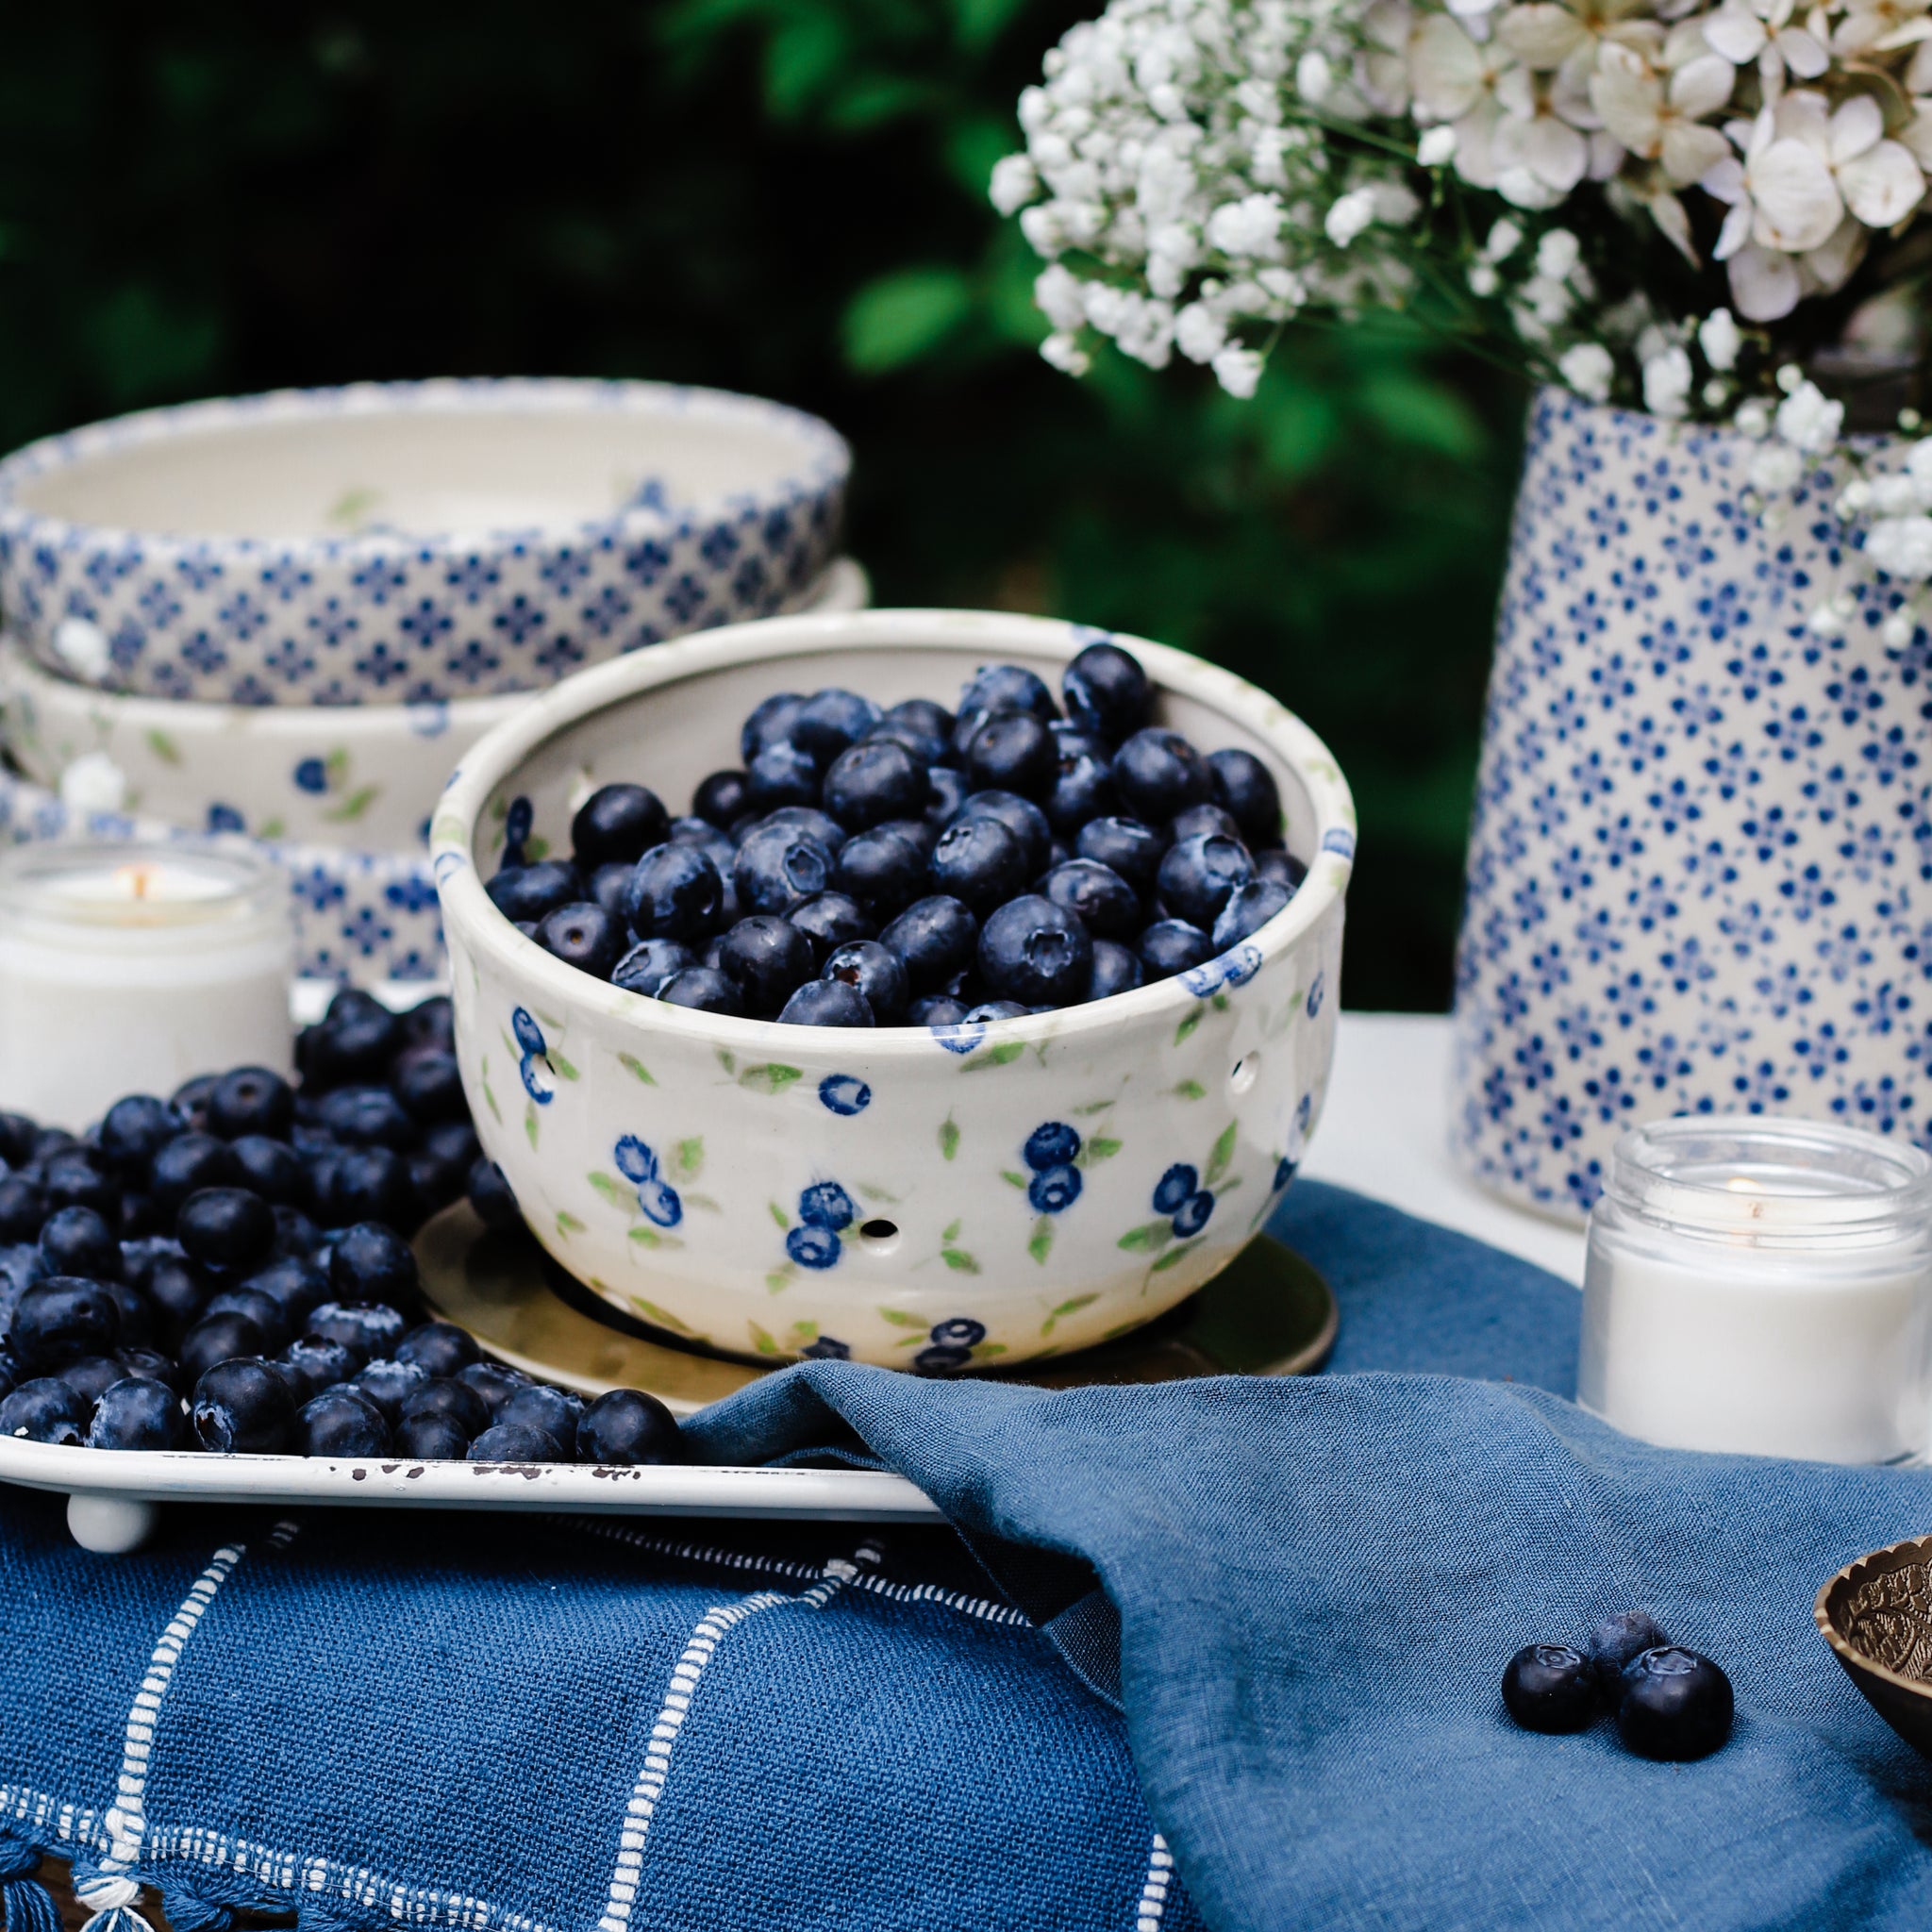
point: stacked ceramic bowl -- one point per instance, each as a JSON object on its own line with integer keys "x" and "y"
{"x": 287, "y": 617}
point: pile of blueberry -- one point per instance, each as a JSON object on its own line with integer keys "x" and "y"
{"x": 918, "y": 866}
{"x": 230, "y": 1269}
{"x": 1668, "y": 1702}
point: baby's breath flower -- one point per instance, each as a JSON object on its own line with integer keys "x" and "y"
{"x": 1239, "y": 371}
{"x": 1589, "y": 369}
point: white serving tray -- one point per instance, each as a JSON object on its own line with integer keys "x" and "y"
{"x": 112, "y": 1495}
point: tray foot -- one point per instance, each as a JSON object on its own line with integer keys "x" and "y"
{"x": 109, "y": 1525}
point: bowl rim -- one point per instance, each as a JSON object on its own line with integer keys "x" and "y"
{"x": 468, "y": 912}
{"x": 824, "y": 457}
{"x": 1909, "y": 1548}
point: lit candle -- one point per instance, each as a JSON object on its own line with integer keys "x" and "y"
{"x": 1765, "y": 1287}
{"x": 127, "y": 969}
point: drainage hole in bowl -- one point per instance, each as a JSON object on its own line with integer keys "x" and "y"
{"x": 880, "y": 1237}
{"x": 1245, "y": 1068}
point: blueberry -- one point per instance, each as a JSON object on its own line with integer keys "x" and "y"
{"x": 490, "y": 1195}
{"x": 495, "y": 1382}
{"x": 925, "y": 750}
{"x": 431, "y": 1022}
{"x": 319, "y": 1364}
{"x": 607, "y": 884}
{"x": 357, "y": 1038}
{"x": 43, "y": 1410}
{"x": 268, "y": 1315}
{"x": 625, "y": 1428}
{"x": 1248, "y": 909}
{"x": 874, "y": 782}
{"x": 1000, "y": 688}
{"x": 60, "y": 1318}
{"x": 72, "y": 1180}
{"x": 178, "y": 1291}
{"x": 268, "y": 1168}
{"x": 431, "y": 1439}
{"x": 805, "y": 818}
{"x": 455, "y": 1142}
{"x": 1198, "y": 819}
{"x": 538, "y": 1405}
{"x": 980, "y": 862}
{"x": 1673, "y": 1705}
{"x": 587, "y": 936}
{"x": 242, "y": 1407}
{"x": 190, "y": 1099}
{"x": 1244, "y": 788}
{"x": 923, "y": 715}
{"x": 935, "y": 937}
{"x": 440, "y": 1348}
{"x": 826, "y": 1002}
{"x": 187, "y": 1164}
{"x": 529, "y": 893}
{"x": 226, "y": 1227}
{"x": 138, "y": 1217}
{"x": 702, "y": 836}
{"x": 368, "y": 1330}
{"x": 1172, "y": 945}
{"x": 16, "y": 1139}
{"x": 990, "y": 1010}
{"x": 877, "y": 973}
{"x": 777, "y": 864}
{"x": 133, "y": 1130}
{"x": 1013, "y": 751}
{"x": 830, "y": 719}
{"x": 649, "y": 963}
{"x": 1158, "y": 773}
{"x": 448, "y": 1395}
{"x": 368, "y": 1184}
{"x": 766, "y": 960}
{"x": 1021, "y": 818}
{"x": 296, "y": 1236}
{"x": 829, "y": 921}
{"x": 1107, "y": 692}
{"x": 936, "y": 1010}
{"x": 250, "y": 1099}
{"x": 1103, "y": 902}
{"x": 76, "y": 1240}
{"x": 515, "y": 1443}
{"x": 1282, "y": 866}
{"x": 151, "y": 1365}
{"x": 721, "y": 798}
{"x": 1036, "y": 953}
{"x": 340, "y": 1422}
{"x": 675, "y": 893}
{"x": 768, "y": 724}
{"x": 1200, "y": 874}
{"x": 387, "y": 1382}
{"x": 136, "y": 1414}
{"x": 884, "y": 868}
{"x": 373, "y": 1263}
{"x": 92, "y": 1376}
{"x": 429, "y": 1086}
{"x": 1083, "y": 788}
{"x": 947, "y": 793}
{"x": 1617, "y": 1640}
{"x": 782, "y": 773}
{"x": 366, "y": 1117}
{"x": 23, "y": 1208}
{"x": 1116, "y": 968}
{"x": 617, "y": 825}
{"x": 218, "y": 1339}
{"x": 704, "y": 990}
{"x": 1550, "y": 1687}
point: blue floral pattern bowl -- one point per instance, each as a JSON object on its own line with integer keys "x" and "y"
{"x": 931, "y": 1200}
{"x": 408, "y": 542}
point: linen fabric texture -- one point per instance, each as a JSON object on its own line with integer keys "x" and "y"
{"x": 1299, "y": 1594}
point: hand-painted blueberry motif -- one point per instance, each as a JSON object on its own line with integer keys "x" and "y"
{"x": 517, "y": 822}
{"x": 827, "y": 1350}
{"x": 1050, "y": 1152}
{"x": 1185, "y": 1197}
{"x": 1175, "y": 1186}
{"x": 952, "y": 1345}
{"x": 825, "y": 1211}
{"x": 657, "y": 1198}
{"x": 224, "y": 818}
{"x": 1192, "y": 1216}
{"x": 1316, "y": 993}
{"x": 534, "y": 1069}
{"x": 311, "y": 775}
{"x": 844, "y": 1094}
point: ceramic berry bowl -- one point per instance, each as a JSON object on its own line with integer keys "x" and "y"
{"x": 934, "y": 1199}
{"x": 365, "y": 776}
{"x": 1876, "y": 1615}
{"x": 409, "y": 542}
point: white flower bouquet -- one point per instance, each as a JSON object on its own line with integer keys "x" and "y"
{"x": 1659, "y": 203}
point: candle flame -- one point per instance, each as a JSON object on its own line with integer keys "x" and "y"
{"x": 133, "y": 880}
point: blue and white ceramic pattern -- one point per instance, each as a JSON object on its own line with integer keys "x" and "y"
{"x": 931, "y": 1200}
{"x": 1698, "y": 871}
{"x": 365, "y": 917}
{"x": 408, "y": 543}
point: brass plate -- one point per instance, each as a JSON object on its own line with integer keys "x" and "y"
{"x": 1267, "y": 1313}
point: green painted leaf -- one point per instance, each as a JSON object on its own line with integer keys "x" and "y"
{"x": 352, "y": 807}
{"x": 336, "y": 763}
{"x": 491, "y": 1099}
{"x": 688, "y": 1157}
{"x": 704, "y": 1201}
{"x": 1040, "y": 1245}
{"x": 771, "y": 1079}
{"x": 530, "y": 1120}
{"x": 650, "y": 1238}
{"x": 1067, "y": 1307}
{"x": 1222, "y": 1155}
{"x": 1218, "y": 1002}
{"x": 1189, "y": 1022}
{"x": 612, "y": 1189}
{"x": 1012, "y": 1180}
{"x": 1190, "y": 1089}
{"x": 562, "y": 1068}
{"x": 535, "y": 849}
{"x": 764, "y": 1344}
{"x": 900, "y": 1319}
{"x": 989, "y": 1349}
{"x": 778, "y": 1279}
{"x": 949, "y": 1138}
{"x": 270, "y": 828}
{"x": 950, "y": 1232}
{"x": 1174, "y": 1255}
{"x": 870, "y": 1193}
{"x": 727, "y": 1059}
{"x": 1003, "y": 1055}
{"x": 663, "y": 1318}
{"x": 568, "y": 1224}
{"x": 449, "y": 828}
{"x": 959, "y": 1263}
{"x": 164, "y": 747}
{"x": 1101, "y": 1149}
{"x": 1153, "y": 1234}
{"x": 1092, "y": 1106}
{"x": 633, "y": 1064}
{"x": 778, "y": 1214}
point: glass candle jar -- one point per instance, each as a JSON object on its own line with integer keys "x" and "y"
{"x": 128, "y": 969}
{"x": 1762, "y": 1286}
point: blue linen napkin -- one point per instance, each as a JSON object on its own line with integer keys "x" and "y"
{"x": 1310, "y": 1588}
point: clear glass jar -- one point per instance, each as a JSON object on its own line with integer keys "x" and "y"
{"x": 1762, "y": 1286}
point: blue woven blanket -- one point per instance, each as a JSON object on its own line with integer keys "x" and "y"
{"x": 1306, "y": 1593}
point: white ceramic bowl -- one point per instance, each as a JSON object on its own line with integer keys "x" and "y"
{"x": 782, "y": 1191}
{"x": 359, "y": 776}
{"x": 409, "y": 542}
{"x": 368, "y": 917}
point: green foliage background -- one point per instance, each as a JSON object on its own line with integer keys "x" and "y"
{"x": 784, "y": 197}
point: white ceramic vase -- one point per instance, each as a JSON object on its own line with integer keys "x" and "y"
{"x": 1699, "y": 864}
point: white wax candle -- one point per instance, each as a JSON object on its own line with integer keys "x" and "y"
{"x": 127, "y": 969}
{"x": 1762, "y": 1287}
